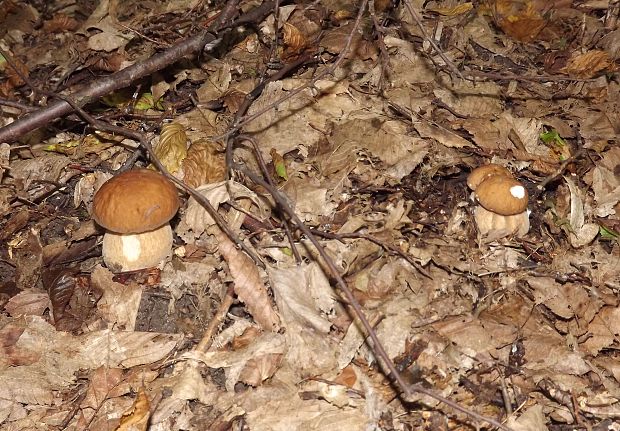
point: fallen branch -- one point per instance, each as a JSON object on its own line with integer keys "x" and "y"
{"x": 203, "y": 41}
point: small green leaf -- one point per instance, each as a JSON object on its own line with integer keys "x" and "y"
{"x": 62, "y": 147}
{"x": 552, "y": 137}
{"x": 608, "y": 234}
{"x": 287, "y": 251}
{"x": 279, "y": 164}
{"x": 146, "y": 102}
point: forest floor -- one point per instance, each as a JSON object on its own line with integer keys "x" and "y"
{"x": 369, "y": 117}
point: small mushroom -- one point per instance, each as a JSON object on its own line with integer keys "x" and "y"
{"x": 483, "y": 172}
{"x": 135, "y": 208}
{"x": 502, "y": 209}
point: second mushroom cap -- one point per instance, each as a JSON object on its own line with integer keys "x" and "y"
{"x": 502, "y": 195}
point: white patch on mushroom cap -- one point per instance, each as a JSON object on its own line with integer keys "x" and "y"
{"x": 517, "y": 192}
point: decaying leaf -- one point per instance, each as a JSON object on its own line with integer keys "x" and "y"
{"x": 587, "y": 64}
{"x": 256, "y": 361}
{"x": 453, "y": 11}
{"x": 248, "y": 285}
{"x": 59, "y": 23}
{"x": 203, "y": 164}
{"x": 16, "y": 76}
{"x": 582, "y": 233}
{"x": 293, "y": 38}
{"x": 172, "y": 146}
{"x": 303, "y": 294}
{"x": 196, "y": 219}
{"x": 103, "y": 380}
{"x": 521, "y": 20}
{"x": 137, "y": 418}
{"x": 120, "y": 303}
{"x": 44, "y": 168}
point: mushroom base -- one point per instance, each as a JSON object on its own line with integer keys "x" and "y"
{"x": 131, "y": 252}
{"x": 492, "y": 226}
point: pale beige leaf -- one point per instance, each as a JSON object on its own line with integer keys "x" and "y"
{"x": 298, "y": 294}
{"x": 29, "y": 301}
{"x": 441, "y": 134}
{"x": 102, "y": 380}
{"x": 582, "y": 233}
{"x": 248, "y": 285}
{"x": 293, "y": 413}
{"x": 234, "y": 362}
{"x": 195, "y": 220}
{"x": 260, "y": 368}
{"x": 65, "y": 354}
{"x": 532, "y": 419}
{"x": 48, "y": 167}
{"x": 120, "y": 303}
{"x": 189, "y": 384}
{"x": 172, "y": 146}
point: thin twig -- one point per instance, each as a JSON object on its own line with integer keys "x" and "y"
{"x": 216, "y": 320}
{"x": 431, "y": 40}
{"x": 388, "y": 247}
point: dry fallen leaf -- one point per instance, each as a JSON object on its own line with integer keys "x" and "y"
{"x": 137, "y": 418}
{"x": 588, "y": 64}
{"x": 172, "y": 146}
{"x": 519, "y": 19}
{"x": 203, "y": 164}
{"x": 248, "y": 285}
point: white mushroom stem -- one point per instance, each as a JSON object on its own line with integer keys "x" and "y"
{"x": 131, "y": 252}
{"x": 495, "y": 226}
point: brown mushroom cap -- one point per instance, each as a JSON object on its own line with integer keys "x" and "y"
{"x": 135, "y": 201}
{"x": 481, "y": 173}
{"x": 502, "y": 195}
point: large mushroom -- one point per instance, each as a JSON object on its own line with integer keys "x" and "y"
{"x": 135, "y": 208}
{"x": 502, "y": 209}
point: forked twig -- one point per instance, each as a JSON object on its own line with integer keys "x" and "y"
{"x": 431, "y": 40}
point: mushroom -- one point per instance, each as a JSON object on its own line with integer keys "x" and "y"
{"x": 135, "y": 207}
{"x": 502, "y": 209}
{"x": 483, "y": 172}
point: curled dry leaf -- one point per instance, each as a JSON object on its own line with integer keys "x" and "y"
{"x": 60, "y": 23}
{"x": 293, "y": 38}
{"x": 248, "y": 285}
{"x": 60, "y": 285}
{"x": 196, "y": 219}
{"x": 260, "y": 368}
{"x": 581, "y": 233}
{"x": 588, "y": 64}
{"x": 172, "y": 147}
{"x": 15, "y": 76}
{"x": 203, "y": 164}
{"x": 137, "y": 418}
{"x": 109, "y": 63}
